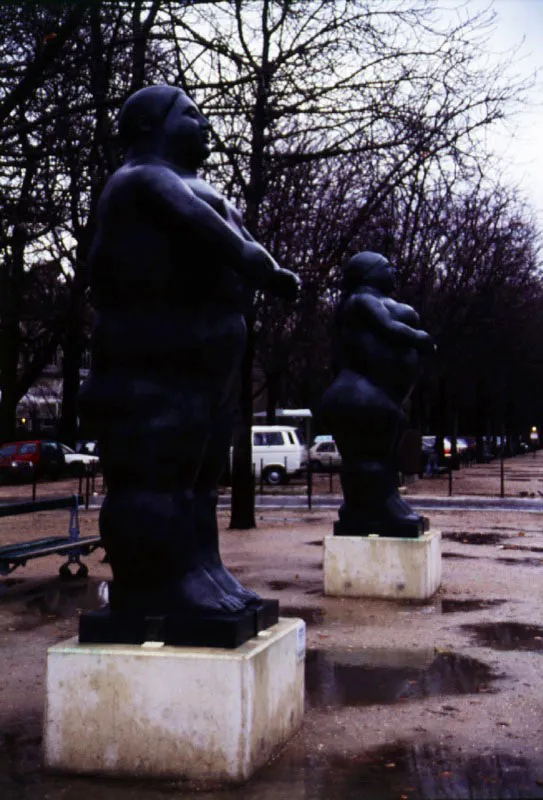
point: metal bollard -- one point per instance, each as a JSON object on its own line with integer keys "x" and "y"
{"x": 87, "y": 487}
{"x": 502, "y": 475}
{"x": 261, "y": 475}
{"x": 450, "y": 480}
{"x": 309, "y": 485}
{"x": 331, "y": 477}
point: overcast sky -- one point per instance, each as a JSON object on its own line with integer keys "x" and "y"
{"x": 519, "y": 20}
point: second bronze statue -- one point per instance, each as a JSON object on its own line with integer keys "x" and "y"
{"x": 378, "y": 344}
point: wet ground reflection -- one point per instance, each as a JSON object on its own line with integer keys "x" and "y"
{"x": 378, "y": 676}
{"x": 474, "y": 538}
{"x": 426, "y": 772}
{"x": 401, "y": 771}
{"x": 507, "y": 635}
{"x": 53, "y": 600}
{"x": 452, "y": 606}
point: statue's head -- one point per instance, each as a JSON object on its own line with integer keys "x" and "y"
{"x": 369, "y": 269}
{"x": 164, "y": 121}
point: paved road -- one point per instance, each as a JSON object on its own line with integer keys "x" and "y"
{"x": 419, "y": 503}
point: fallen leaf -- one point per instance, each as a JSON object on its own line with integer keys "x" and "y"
{"x": 390, "y": 764}
{"x": 521, "y": 533}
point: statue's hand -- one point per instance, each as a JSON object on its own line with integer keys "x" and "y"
{"x": 427, "y": 345}
{"x": 285, "y": 284}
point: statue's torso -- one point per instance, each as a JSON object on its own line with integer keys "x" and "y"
{"x": 381, "y": 359}
{"x": 167, "y": 300}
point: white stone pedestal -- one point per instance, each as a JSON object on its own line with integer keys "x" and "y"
{"x": 178, "y": 712}
{"x": 381, "y": 566}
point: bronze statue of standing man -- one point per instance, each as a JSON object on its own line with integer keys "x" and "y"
{"x": 170, "y": 266}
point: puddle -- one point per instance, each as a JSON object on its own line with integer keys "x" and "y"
{"x": 474, "y": 538}
{"x": 524, "y": 547}
{"x": 523, "y": 562}
{"x": 57, "y": 600}
{"x": 405, "y": 769}
{"x": 279, "y": 585}
{"x": 372, "y": 676}
{"x": 456, "y": 555}
{"x": 507, "y": 635}
{"x": 426, "y": 772}
{"x": 309, "y": 614}
{"x": 449, "y": 606}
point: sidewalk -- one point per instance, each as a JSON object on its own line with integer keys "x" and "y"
{"x": 404, "y": 701}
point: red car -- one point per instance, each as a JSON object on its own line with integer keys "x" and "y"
{"x": 23, "y": 460}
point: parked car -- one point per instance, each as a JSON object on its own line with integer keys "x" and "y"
{"x": 39, "y": 458}
{"x": 324, "y": 455}
{"x": 88, "y": 447}
{"x": 277, "y": 453}
{"x": 13, "y": 469}
{"x": 76, "y": 462}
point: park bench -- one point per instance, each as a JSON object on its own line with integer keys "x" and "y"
{"x": 73, "y": 545}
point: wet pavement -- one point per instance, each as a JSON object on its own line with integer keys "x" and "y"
{"x": 402, "y": 701}
{"x": 399, "y": 771}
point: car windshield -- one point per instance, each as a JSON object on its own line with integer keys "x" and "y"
{"x": 67, "y": 450}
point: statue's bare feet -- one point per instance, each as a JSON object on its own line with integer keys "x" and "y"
{"x": 231, "y": 585}
{"x": 199, "y": 592}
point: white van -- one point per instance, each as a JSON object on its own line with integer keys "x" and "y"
{"x": 277, "y": 453}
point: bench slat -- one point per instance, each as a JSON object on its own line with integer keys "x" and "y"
{"x": 38, "y": 551}
{"x": 47, "y": 504}
{"x": 7, "y": 549}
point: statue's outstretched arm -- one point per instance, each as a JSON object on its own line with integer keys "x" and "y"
{"x": 177, "y": 203}
{"x": 377, "y": 315}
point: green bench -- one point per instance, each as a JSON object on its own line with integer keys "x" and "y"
{"x": 73, "y": 546}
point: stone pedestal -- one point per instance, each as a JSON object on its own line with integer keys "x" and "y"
{"x": 174, "y": 712}
{"x": 380, "y": 566}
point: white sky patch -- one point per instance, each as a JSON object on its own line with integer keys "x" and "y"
{"x": 519, "y": 25}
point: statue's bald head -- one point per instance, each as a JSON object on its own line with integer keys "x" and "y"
{"x": 145, "y": 111}
{"x": 367, "y": 268}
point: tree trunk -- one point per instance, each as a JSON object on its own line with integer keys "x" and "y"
{"x": 273, "y": 384}
{"x": 71, "y": 363}
{"x": 243, "y": 486}
{"x": 480, "y": 422}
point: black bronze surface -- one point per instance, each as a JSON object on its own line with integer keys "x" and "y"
{"x": 171, "y": 268}
{"x": 378, "y": 347}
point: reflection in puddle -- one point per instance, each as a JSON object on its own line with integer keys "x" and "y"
{"x": 58, "y": 600}
{"x": 451, "y": 606}
{"x": 474, "y": 538}
{"x": 403, "y": 770}
{"x": 374, "y": 676}
{"x": 426, "y": 772}
{"x": 507, "y": 635}
{"x": 523, "y": 562}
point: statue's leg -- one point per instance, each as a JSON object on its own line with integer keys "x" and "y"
{"x": 147, "y": 524}
{"x": 205, "y": 507}
{"x": 365, "y": 422}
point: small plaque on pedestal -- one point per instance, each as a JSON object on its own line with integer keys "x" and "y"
{"x": 382, "y": 566}
{"x": 205, "y": 714}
